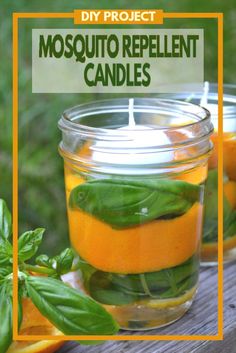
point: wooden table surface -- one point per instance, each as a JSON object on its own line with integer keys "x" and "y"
{"x": 201, "y": 319}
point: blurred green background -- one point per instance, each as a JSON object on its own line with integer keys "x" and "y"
{"x": 41, "y": 184}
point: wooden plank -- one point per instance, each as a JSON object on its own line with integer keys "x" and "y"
{"x": 201, "y": 319}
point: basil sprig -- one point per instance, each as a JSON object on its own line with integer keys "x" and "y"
{"x": 210, "y": 229}
{"x": 123, "y": 203}
{"x": 60, "y": 264}
{"x": 72, "y": 312}
{"x": 120, "y": 289}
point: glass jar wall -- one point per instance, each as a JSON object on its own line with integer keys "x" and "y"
{"x": 209, "y": 100}
{"x": 135, "y": 172}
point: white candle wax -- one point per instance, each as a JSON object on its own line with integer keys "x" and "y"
{"x": 139, "y": 139}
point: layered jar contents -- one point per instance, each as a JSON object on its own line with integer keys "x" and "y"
{"x": 208, "y": 98}
{"x": 210, "y": 235}
{"x": 135, "y": 172}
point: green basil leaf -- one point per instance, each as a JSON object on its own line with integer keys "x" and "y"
{"x": 86, "y": 271}
{"x": 43, "y": 261}
{"x": 5, "y": 271}
{"x": 5, "y": 220}
{"x": 28, "y": 243}
{"x": 5, "y": 252}
{"x": 158, "y": 280}
{"x": 63, "y": 262}
{"x": 103, "y": 289}
{"x": 6, "y": 318}
{"x": 119, "y": 289}
{"x": 6, "y": 310}
{"x": 230, "y": 225}
{"x": 72, "y": 312}
{"x": 124, "y": 203}
{"x": 211, "y": 197}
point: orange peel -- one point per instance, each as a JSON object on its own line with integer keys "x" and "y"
{"x": 34, "y": 323}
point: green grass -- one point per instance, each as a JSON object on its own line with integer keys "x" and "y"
{"x": 41, "y": 184}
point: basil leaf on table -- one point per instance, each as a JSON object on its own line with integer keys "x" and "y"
{"x": 72, "y": 312}
{"x": 5, "y": 220}
{"x": 124, "y": 203}
{"x": 120, "y": 289}
{"x": 28, "y": 243}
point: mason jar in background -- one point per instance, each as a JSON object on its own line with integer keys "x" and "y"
{"x": 208, "y": 98}
{"x": 135, "y": 171}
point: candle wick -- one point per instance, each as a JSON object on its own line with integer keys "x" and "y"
{"x": 204, "y": 98}
{"x": 131, "y": 113}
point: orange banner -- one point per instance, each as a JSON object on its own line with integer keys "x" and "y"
{"x": 118, "y": 17}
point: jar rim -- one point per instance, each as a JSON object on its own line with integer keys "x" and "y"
{"x": 152, "y": 105}
{"x": 229, "y": 99}
{"x": 152, "y": 146}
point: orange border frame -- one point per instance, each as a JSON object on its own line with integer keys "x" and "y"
{"x": 16, "y": 336}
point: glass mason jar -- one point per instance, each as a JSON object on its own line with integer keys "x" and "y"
{"x": 135, "y": 183}
{"x": 210, "y": 231}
